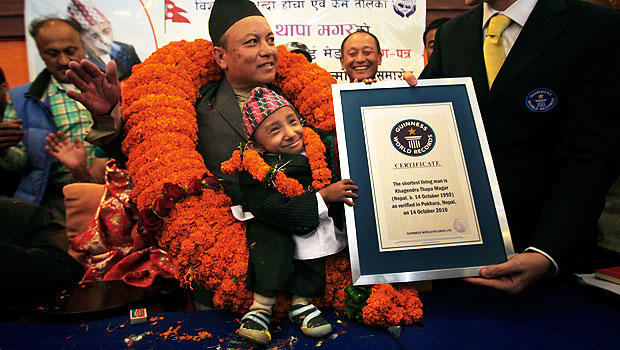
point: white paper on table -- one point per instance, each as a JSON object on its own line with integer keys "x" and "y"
{"x": 589, "y": 278}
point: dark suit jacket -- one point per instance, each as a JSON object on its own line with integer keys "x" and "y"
{"x": 123, "y": 54}
{"x": 553, "y": 167}
{"x": 271, "y": 264}
{"x": 220, "y": 131}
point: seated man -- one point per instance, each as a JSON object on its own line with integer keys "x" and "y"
{"x": 42, "y": 107}
{"x": 361, "y": 56}
{"x": 10, "y": 135}
{"x": 31, "y": 259}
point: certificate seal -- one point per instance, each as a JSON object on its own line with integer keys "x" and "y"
{"x": 412, "y": 137}
{"x": 541, "y": 100}
{"x": 459, "y": 225}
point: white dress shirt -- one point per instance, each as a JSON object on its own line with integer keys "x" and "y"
{"x": 517, "y": 12}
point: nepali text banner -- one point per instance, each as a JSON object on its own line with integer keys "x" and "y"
{"x": 319, "y": 24}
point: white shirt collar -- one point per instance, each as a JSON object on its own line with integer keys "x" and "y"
{"x": 517, "y": 12}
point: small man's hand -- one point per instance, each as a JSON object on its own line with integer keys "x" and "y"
{"x": 340, "y": 192}
{"x": 11, "y": 133}
{"x": 99, "y": 92}
{"x": 516, "y": 274}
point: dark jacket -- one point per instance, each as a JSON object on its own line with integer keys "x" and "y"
{"x": 220, "y": 131}
{"x": 271, "y": 265}
{"x": 123, "y": 54}
{"x": 553, "y": 165}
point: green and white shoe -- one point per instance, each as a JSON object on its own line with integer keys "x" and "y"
{"x": 309, "y": 319}
{"x": 255, "y": 327}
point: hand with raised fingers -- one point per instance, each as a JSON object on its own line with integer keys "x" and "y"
{"x": 99, "y": 92}
{"x": 72, "y": 154}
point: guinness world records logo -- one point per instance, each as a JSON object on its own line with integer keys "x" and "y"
{"x": 412, "y": 137}
{"x": 541, "y": 100}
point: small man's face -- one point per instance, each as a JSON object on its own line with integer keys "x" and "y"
{"x": 360, "y": 57}
{"x": 99, "y": 38}
{"x": 59, "y": 44}
{"x": 281, "y": 132}
{"x": 430, "y": 42}
{"x": 249, "y": 57}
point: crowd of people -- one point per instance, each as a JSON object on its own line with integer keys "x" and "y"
{"x": 555, "y": 160}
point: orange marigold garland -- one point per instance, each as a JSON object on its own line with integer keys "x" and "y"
{"x": 389, "y": 305}
{"x": 185, "y": 208}
{"x": 251, "y": 161}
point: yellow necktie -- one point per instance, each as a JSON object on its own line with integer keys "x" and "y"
{"x": 494, "y": 53}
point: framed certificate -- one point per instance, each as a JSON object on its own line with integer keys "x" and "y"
{"x": 429, "y": 205}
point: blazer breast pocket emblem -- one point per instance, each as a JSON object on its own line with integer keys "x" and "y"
{"x": 541, "y": 100}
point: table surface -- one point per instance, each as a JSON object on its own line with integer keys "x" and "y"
{"x": 456, "y": 315}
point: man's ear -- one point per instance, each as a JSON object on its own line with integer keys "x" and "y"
{"x": 219, "y": 56}
{"x": 380, "y": 57}
{"x": 342, "y": 63}
{"x": 253, "y": 145}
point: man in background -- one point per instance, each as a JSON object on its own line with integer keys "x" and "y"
{"x": 429, "y": 34}
{"x": 301, "y": 48}
{"x": 4, "y": 88}
{"x": 10, "y": 135}
{"x": 546, "y": 75}
{"x": 40, "y": 108}
{"x": 360, "y": 56}
{"x": 99, "y": 39}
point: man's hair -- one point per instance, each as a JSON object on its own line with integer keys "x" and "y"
{"x": 434, "y": 25}
{"x": 37, "y": 24}
{"x": 360, "y": 30}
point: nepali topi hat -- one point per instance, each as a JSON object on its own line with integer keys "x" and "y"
{"x": 225, "y": 13}
{"x": 260, "y": 105}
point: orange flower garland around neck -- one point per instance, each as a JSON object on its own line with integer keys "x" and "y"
{"x": 251, "y": 161}
{"x": 185, "y": 208}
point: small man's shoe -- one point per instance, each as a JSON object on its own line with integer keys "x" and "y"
{"x": 255, "y": 327}
{"x": 309, "y": 319}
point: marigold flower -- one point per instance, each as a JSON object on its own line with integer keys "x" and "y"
{"x": 206, "y": 243}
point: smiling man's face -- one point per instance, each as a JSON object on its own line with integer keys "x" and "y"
{"x": 360, "y": 57}
{"x": 249, "y": 56}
